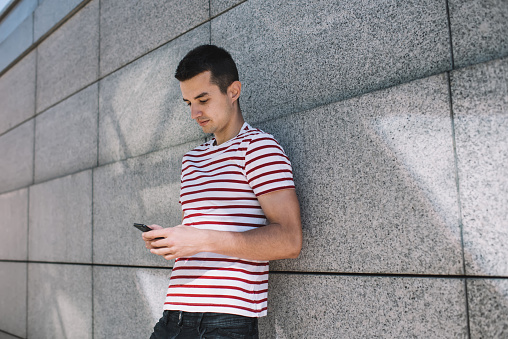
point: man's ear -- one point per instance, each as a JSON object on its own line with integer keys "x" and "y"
{"x": 234, "y": 90}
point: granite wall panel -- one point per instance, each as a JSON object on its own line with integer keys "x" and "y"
{"x": 347, "y": 48}
{"x": 68, "y": 60}
{"x": 132, "y": 28}
{"x": 14, "y": 225}
{"x": 66, "y": 136}
{"x": 16, "y": 154}
{"x": 60, "y": 220}
{"x": 145, "y": 190}
{"x": 141, "y": 294}
{"x": 316, "y": 306}
{"x": 59, "y": 301}
{"x": 376, "y": 183}
{"x": 13, "y": 298}
{"x": 141, "y": 106}
{"x": 480, "y": 105}
{"x": 488, "y": 307}
{"x": 479, "y": 30}
{"x": 17, "y": 93}
{"x": 49, "y": 13}
{"x": 16, "y": 43}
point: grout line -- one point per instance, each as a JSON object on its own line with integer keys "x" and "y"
{"x": 92, "y": 259}
{"x": 209, "y": 18}
{"x": 459, "y": 202}
{"x": 302, "y": 273}
{"x": 27, "y": 253}
{"x": 450, "y": 34}
{"x": 93, "y": 169}
{"x": 12, "y": 335}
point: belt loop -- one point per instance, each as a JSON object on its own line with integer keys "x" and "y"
{"x": 180, "y": 318}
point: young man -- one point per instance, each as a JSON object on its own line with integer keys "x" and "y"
{"x": 239, "y": 210}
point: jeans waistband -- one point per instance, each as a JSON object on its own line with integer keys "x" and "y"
{"x": 192, "y": 319}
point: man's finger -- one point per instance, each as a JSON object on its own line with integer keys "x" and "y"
{"x": 163, "y": 251}
{"x": 151, "y": 235}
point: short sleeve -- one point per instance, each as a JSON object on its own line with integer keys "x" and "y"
{"x": 267, "y": 167}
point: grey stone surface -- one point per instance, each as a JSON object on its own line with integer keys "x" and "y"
{"x": 139, "y": 293}
{"x": 314, "y": 306}
{"x": 16, "y": 154}
{"x": 16, "y": 43}
{"x": 479, "y": 30}
{"x": 66, "y": 136}
{"x": 218, "y": 6}
{"x": 488, "y": 307}
{"x": 49, "y": 13}
{"x": 480, "y": 104}
{"x": 145, "y": 190}
{"x": 345, "y": 49}
{"x": 15, "y": 17}
{"x": 60, "y": 219}
{"x": 13, "y": 298}
{"x": 17, "y": 93}
{"x": 59, "y": 301}
{"x": 68, "y": 60}
{"x": 141, "y": 107}
{"x": 375, "y": 176}
{"x": 14, "y": 225}
{"x": 131, "y": 28}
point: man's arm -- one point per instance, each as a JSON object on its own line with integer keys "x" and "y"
{"x": 280, "y": 239}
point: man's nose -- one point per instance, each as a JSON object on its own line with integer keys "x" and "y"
{"x": 195, "y": 112}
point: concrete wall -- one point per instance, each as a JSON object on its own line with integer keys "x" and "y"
{"x": 395, "y": 116}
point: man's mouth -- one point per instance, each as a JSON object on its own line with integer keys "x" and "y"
{"x": 203, "y": 122}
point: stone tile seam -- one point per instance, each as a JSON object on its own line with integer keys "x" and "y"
{"x": 27, "y": 253}
{"x": 459, "y": 201}
{"x": 51, "y": 179}
{"x": 450, "y": 33}
{"x": 302, "y": 273}
{"x": 8, "y": 333}
{"x": 209, "y": 16}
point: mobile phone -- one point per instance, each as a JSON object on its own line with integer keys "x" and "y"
{"x": 142, "y": 227}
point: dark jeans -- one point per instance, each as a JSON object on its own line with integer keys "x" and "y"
{"x": 187, "y": 325}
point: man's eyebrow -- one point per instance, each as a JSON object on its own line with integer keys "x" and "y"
{"x": 198, "y": 96}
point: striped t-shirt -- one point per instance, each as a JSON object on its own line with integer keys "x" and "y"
{"x": 218, "y": 192}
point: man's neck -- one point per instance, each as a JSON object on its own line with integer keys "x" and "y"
{"x": 232, "y": 131}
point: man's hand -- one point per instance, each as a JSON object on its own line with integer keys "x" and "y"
{"x": 178, "y": 241}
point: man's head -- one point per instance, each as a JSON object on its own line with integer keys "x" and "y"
{"x": 209, "y": 58}
{"x": 210, "y": 87}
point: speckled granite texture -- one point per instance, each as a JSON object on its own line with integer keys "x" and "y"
{"x": 61, "y": 219}
{"x": 66, "y": 136}
{"x": 68, "y": 60}
{"x": 59, "y": 301}
{"x": 17, "y": 93}
{"x": 480, "y": 103}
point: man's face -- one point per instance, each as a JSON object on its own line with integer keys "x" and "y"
{"x": 211, "y": 108}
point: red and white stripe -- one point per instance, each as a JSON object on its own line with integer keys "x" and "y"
{"x": 219, "y": 190}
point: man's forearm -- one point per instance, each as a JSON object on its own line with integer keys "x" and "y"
{"x": 270, "y": 242}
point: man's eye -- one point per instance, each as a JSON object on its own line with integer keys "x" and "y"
{"x": 203, "y": 101}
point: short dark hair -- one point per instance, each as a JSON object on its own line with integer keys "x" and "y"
{"x": 209, "y": 58}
